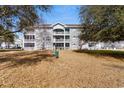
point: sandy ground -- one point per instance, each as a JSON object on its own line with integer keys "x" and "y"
{"x": 71, "y": 69}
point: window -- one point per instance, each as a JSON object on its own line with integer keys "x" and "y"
{"x": 67, "y": 44}
{"x": 32, "y": 37}
{"x": 28, "y": 44}
{"x": 73, "y": 44}
{"x": 74, "y": 37}
{"x": 26, "y": 36}
{"x": 67, "y": 37}
{"x": 48, "y": 38}
{"x": 29, "y": 37}
{"x": 91, "y": 44}
{"x": 67, "y": 29}
{"x": 58, "y": 44}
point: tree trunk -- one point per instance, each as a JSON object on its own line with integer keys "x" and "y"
{"x": 0, "y": 45}
{"x": 81, "y": 44}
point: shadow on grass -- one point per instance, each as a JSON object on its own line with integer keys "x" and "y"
{"x": 24, "y": 58}
{"x": 7, "y": 50}
{"x": 115, "y": 66}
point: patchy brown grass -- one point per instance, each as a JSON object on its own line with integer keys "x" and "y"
{"x": 71, "y": 69}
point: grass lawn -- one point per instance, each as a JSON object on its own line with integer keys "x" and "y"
{"x": 71, "y": 69}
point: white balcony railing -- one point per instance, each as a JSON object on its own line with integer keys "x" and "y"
{"x": 29, "y": 39}
{"x": 61, "y": 33}
{"x": 58, "y": 40}
{"x": 67, "y": 40}
{"x": 67, "y": 33}
{"x": 58, "y": 32}
{"x": 61, "y": 40}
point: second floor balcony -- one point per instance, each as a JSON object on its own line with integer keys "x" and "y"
{"x": 61, "y": 40}
{"x": 58, "y": 40}
{"x": 67, "y": 40}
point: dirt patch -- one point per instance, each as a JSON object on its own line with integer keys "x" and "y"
{"x": 33, "y": 69}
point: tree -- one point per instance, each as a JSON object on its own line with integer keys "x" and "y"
{"x": 43, "y": 38}
{"x": 18, "y": 18}
{"x": 7, "y": 37}
{"x": 102, "y": 23}
{"x": 21, "y": 17}
{"x": 1, "y": 40}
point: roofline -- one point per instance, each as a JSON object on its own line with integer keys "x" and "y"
{"x": 57, "y": 24}
{"x": 51, "y": 25}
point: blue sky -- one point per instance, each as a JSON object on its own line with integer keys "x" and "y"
{"x": 67, "y": 14}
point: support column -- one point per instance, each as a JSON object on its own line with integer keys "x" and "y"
{"x": 64, "y": 38}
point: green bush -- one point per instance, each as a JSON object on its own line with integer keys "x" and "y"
{"x": 112, "y": 53}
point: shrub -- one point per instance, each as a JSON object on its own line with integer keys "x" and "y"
{"x": 112, "y": 53}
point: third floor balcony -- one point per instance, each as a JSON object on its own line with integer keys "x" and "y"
{"x": 58, "y": 33}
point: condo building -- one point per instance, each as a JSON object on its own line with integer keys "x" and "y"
{"x": 62, "y": 36}
{"x": 52, "y": 36}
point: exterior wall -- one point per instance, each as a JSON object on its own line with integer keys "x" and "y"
{"x": 17, "y": 43}
{"x": 74, "y": 34}
{"x": 41, "y": 41}
{"x": 29, "y": 41}
{"x": 103, "y": 45}
{"x": 42, "y": 34}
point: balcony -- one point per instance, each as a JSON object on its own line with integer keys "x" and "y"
{"x": 61, "y": 40}
{"x": 29, "y": 40}
{"x": 67, "y": 32}
{"x": 58, "y": 33}
{"x": 58, "y": 40}
{"x": 67, "y": 40}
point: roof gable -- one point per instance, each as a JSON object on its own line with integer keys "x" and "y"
{"x": 58, "y": 26}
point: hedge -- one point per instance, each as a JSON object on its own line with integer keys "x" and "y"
{"x": 112, "y": 53}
